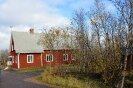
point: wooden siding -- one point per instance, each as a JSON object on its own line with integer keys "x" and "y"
{"x": 14, "y": 65}
{"x": 57, "y": 59}
{"x": 36, "y": 60}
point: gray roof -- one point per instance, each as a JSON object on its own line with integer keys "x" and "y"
{"x": 26, "y": 42}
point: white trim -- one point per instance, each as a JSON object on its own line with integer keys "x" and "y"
{"x": 12, "y": 47}
{"x": 66, "y": 58}
{"x": 73, "y": 57}
{"x": 32, "y": 58}
{"x": 49, "y": 55}
{"x": 41, "y": 60}
{"x": 9, "y": 63}
{"x": 18, "y": 61}
{"x": 13, "y": 59}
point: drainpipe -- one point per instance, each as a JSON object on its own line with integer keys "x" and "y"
{"x": 18, "y": 61}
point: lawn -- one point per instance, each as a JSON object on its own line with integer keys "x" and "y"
{"x": 32, "y": 69}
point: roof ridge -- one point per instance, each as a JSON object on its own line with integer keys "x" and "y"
{"x": 24, "y": 32}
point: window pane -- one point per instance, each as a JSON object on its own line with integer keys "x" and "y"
{"x": 65, "y": 56}
{"x": 49, "y": 57}
{"x": 30, "y": 59}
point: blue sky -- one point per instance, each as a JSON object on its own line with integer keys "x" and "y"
{"x": 25, "y": 14}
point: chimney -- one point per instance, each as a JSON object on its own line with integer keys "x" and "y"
{"x": 31, "y": 31}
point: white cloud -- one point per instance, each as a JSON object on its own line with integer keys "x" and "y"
{"x": 24, "y": 14}
{"x": 31, "y": 12}
{"x": 5, "y": 33}
{"x": 4, "y": 37}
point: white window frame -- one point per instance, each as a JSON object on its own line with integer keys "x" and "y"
{"x": 10, "y": 60}
{"x": 32, "y": 58}
{"x": 49, "y": 59}
{"x": 73, "y": 57}
{"x": 66, "y": 59}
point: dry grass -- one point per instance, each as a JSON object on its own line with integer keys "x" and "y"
{"x": 69, "y": 82}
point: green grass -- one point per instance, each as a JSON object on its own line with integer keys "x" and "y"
{"x": 32, "y": 69}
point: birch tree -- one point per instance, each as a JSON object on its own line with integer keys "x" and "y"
{"x": 125, "y": 10}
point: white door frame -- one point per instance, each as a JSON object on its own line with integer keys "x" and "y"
{"x": 41, "y": 60}
{"x": 18, "y": 60}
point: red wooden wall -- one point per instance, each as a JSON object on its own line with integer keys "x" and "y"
{"x": 23, "y": 60}
{"x": 14, "y": 64}
{"x": 57, "y": 59}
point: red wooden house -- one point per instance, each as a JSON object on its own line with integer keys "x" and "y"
{"x": 26, "y": 52}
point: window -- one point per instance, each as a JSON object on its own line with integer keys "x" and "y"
{"x": 73, "y": 56}
{"x": 65, "y": 57}
{"x": 30, "y": 59}
{"x": 11, "y": 58}
{"x": 49, "y": 57}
